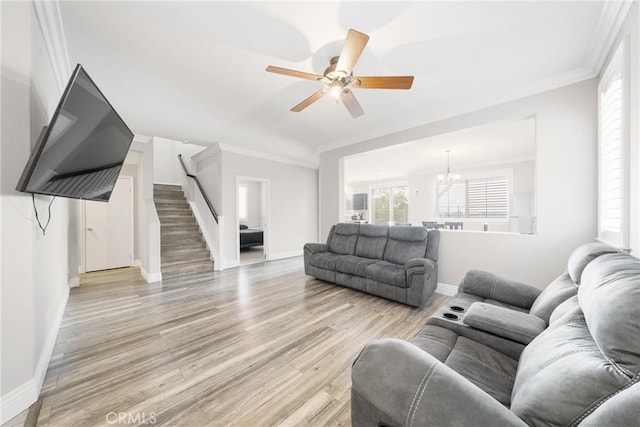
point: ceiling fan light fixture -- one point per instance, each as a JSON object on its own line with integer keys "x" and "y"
{"x": 336, "y": 92}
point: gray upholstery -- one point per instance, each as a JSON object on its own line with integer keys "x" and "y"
{"x": 583, "y": 369}
{"x": 492, "y": 289}
{"x": 344, "y": 238}
{"x": 511, "y": 324}
{"x": 372, "y": 241}
{"x": 405, "y": 243}
{"x": 398, "y": 263}
{"x": 583, "y": 255}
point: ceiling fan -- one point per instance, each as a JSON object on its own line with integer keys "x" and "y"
{"x": 338, "y": 77}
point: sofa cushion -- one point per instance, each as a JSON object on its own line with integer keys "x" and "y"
{"x": 344, "y": 238}
{"x": 489, "y": 369}
{"x": 326, "y": 260}
{"x": 387, "y": 272}
{"x": 583, "y": 255}
{"x": 558, "y": 291}
{"x": 352, "y": 264}
{"x": 405, "y": 243}
{"x": 610, "y": 300}
{"x": 562, "y": 374}
{"x": 372, "y": 241}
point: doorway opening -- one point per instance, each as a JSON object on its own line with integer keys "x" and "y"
{"x": 252, "y": 196}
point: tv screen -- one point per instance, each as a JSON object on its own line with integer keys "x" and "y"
{"x": 80, "y": 154}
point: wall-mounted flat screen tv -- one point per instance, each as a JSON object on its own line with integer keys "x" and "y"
{"x": 80, "y": 154}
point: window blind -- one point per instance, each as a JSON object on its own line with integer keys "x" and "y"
{"x": 612, "y": 151}
{"x": 487, "y": 198}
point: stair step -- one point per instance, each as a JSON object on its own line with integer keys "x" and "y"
{"x": 178, "y": 221}
{"x": 179, "y": 233}
{"x": 167, "y": 186}
{"x": 180, "y": 246}
{"x": 175, "y": 230}
{"x": 170, "y": 265}
{"x": 198, "y": 267}
{"x": 171, "y": 202}
{"x": 172, "y": 240}
{"x": 173, "y": 210}
{"x": 190, "y": 254}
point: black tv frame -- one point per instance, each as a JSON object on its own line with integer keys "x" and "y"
{"x": 44, "y": 136}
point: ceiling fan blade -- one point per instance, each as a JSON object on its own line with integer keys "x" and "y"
{"x": 293, "y": 73}
{"x": 383, "y": 82}
{"x": 349, "y": 100}
{"x": 310, "y": 100}
{"x": 351, "y": 51}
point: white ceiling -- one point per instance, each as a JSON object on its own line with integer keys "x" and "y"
{"x": 489, "y": 145}
{"x": 195, "y": 70}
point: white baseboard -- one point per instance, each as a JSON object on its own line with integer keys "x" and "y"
{"x": 17, "y": 400}
{"x": 74, "y": 282}
{"x": 446, "y": 289}
{"x": 149, "y": 278}
{"x": 283, "y": 255}
{"x": 20, "y": 398}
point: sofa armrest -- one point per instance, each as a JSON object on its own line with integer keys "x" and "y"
{"x": 511, "y": 324}
{"x": 419, "y": 266}
{"x": 313, "y": 248}
{"x": 422, "y": 279}
{"x": 395, "y": 383}
{"x": 488, "y": 285}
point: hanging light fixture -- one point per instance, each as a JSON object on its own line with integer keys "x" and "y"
{"x": 449, "y": 177}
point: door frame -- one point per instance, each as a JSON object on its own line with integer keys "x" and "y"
{"x": 266, "y": 228}
{"x": 82, "y": 223}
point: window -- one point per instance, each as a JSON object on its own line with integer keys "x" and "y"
{"x": 612, "y": 152}
{"x": 486, "y": 197}
{"x": 242, "y": 202}
{"x": 390, "y": 204}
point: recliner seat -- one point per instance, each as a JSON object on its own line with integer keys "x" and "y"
{"x": 583, "y": 369}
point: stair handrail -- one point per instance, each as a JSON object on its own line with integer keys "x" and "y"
{"x": 204, "y": 195}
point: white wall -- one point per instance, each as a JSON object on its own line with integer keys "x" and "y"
{"x": 292, "y": 217}
{"x": 166, "y": 168}
{"x": 565, "y": 186}
{"x": 292, "y": 213}
{"x": 35, "y": 269}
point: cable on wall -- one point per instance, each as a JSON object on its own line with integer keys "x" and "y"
{"x": 44, "y": 229}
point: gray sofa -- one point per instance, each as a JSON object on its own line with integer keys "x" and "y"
{"x": 395, "y": 262}
{"x": 507, "y": 315}
{"x": 583, "y": 369}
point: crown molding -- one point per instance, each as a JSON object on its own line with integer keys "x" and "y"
{"x": 611, "y": 20}
{"x": 206, "y": 153}
{"x": 50, "y": 23}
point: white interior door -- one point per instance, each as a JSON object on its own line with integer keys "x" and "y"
{"x": 109, "y": 229}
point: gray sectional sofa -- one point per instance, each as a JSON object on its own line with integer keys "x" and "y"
{"x": 583, "y": 368}
{"x": 395, "y": 262}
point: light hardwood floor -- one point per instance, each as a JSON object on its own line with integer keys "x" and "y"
{"x": 256, "y": 345}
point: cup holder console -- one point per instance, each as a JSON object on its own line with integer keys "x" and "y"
{"x": 450, "y": 316}
{"x": 456, "y": 308}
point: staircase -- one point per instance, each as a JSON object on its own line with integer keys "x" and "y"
{"x": 183, "y": 249}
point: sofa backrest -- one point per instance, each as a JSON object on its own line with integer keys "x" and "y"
{"x": 433, "y": 244}
{"x": 343, "y": 238}
{"x": 590, "y": 353}
{"x": 372, "y": 241}
{"x": 566, "y": 285}
{"x": 405, "y": 243}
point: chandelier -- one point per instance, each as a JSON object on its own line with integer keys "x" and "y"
{"x": 449, "y": 177}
